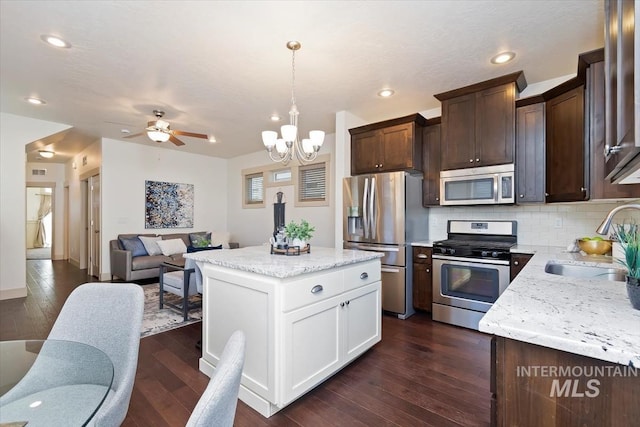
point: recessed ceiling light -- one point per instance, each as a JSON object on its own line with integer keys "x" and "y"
{"x": 35, "y": 101}
{"x": 46, "y": 154}
{"x": 212, "y": 139}
{"x": 55, "y": 41}
{"x": 503, "y": 57}
{"x": 125, "y": 131}
{"x": 385, "y": 93}
{"x": 275, "y": 118}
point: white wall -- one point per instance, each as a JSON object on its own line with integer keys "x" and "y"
{"x": 55, "y": 177}
{"x": 15, "y": 133}
{"x": 552, "y": 224}
{"x": 253, "y": 226}
{"x": 126, "y": 166}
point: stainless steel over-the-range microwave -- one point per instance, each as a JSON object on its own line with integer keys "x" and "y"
{"x": 488, "y": 185}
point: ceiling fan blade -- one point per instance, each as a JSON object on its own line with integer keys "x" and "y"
{"x": 133, "y": 135}
{"x": 175, "y": 140}
{"x": 194, "y": 135}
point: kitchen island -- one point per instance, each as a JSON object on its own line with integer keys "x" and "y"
{"x": 566, "y": 349}
{"x": 305, "y": 317}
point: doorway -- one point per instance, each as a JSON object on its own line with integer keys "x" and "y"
{"x": 93, "y": 223}
{"x": 40, "y": 208}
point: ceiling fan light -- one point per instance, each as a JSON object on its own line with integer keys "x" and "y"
{"x": 317, "y": 137}
{"x": 158, "y": 136}
{"x": 269, "y": 138}
{"x": 289, "y": 132}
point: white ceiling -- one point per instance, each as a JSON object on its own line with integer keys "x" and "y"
{"x": 222, "y": 67}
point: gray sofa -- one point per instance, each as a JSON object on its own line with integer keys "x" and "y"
{"x": 127, "y": 267}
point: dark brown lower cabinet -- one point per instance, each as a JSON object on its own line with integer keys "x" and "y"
{"x": 539, "y": 386}
{"x": 422, "y": 278}
{"x": 518, "y": 261}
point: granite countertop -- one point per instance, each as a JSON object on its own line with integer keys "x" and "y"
{"x": 589, "y": 317}
{"x": 257, "y": 259}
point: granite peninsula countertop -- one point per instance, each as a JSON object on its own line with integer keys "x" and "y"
{"x": 589, "y": 317}
{"x": 257, "y": 259}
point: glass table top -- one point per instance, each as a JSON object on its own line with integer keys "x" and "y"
{"x": 50, "y": 382}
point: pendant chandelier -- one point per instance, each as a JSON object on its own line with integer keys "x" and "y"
{"x": 288, "y": 145}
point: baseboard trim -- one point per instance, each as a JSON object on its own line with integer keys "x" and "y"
{"x": 13, "y": 293}
{"x": 74, "y": 262}
{"x": 105, "y": 277}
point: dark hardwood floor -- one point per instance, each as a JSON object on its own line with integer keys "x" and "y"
{"x": 422, "y": 373}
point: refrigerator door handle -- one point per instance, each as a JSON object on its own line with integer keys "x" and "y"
{"x": 374, "y": 219}
{"x": 365, "y": 213}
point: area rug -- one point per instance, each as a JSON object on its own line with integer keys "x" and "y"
{"x": 158, "y": 320}
{"x": 39, "y": 253}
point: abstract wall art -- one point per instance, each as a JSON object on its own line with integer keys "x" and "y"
{"x": 168, "y": 205}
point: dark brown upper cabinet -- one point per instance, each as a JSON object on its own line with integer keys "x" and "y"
{"x": 392, "y": 145}
{"x": 622, "y": 118}
{"x": 478, "y": 123}
{"x": 566, "y": 155}
{"x": 601, "y": 188}
{"x": 530, "y": 153}
{"x": 431, "y": 163}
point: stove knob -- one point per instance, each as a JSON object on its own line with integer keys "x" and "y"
{"x": 443, "y": 250}
{"x": 494, "y": 254}
{"x": 452, "y": 251}
{"x": 484, "y": 253}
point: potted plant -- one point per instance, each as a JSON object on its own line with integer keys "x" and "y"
{"x": 299, "y": 234}
{"x": 629, "y": 237}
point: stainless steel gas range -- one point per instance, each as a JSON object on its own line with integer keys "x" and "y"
{"x": 471, "y": 269}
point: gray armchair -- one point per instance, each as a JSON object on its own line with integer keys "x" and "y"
{"x": 217, "y": 405}
{"x": 107, "y": 316}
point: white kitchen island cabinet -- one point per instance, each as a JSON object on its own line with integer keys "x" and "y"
{"x": 305, "y": 317}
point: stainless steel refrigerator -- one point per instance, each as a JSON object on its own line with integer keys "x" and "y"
{"x": 383, "y": 213}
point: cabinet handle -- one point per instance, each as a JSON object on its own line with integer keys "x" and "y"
{"x": 437, "y": 199}
{"x": 516, "y": 263}
{"x": 470, "y": 160}
{"x": 341, "y": 304}
{"x": 316, "y": 289}
{"x": 348, "y": 302}
{"x": 423, "y": 256}
{"x": 477, "y": 160}
{"x": 521, "y": 196}
{"x": 583, "y": 189}
{"x": 380, "y": 165}
{"x": 546, "y": 194}
{"x": 428, "y": 271}
{"x": 364, "y": 275}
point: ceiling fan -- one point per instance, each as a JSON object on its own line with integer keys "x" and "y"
{"x": 160, "y": 131}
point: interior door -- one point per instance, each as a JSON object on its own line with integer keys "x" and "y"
{"x": 94, "y": 225}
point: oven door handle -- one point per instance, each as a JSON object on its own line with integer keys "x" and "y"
{"x": 473, "y": 260}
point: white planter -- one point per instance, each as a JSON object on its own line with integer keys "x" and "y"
{"x": 298, "y": 242}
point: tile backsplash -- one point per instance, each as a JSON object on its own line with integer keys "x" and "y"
{"x": 556, "y": 224}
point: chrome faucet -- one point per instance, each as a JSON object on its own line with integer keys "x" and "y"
{"x": 604, "y": 227}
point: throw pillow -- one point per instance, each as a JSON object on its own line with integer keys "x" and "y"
{"x": 134, "y": 245}
{"x": 172, "y": 247}
{"x": 220, "y": 238}
{"x": 200, "y": 240}
{"x": 151, "y": 244}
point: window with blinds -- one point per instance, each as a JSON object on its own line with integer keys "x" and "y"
{"x": 312, "y": 185}
{"x": 254, "y": 188}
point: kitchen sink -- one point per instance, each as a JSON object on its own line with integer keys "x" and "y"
{"x": 585, "y": 272}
